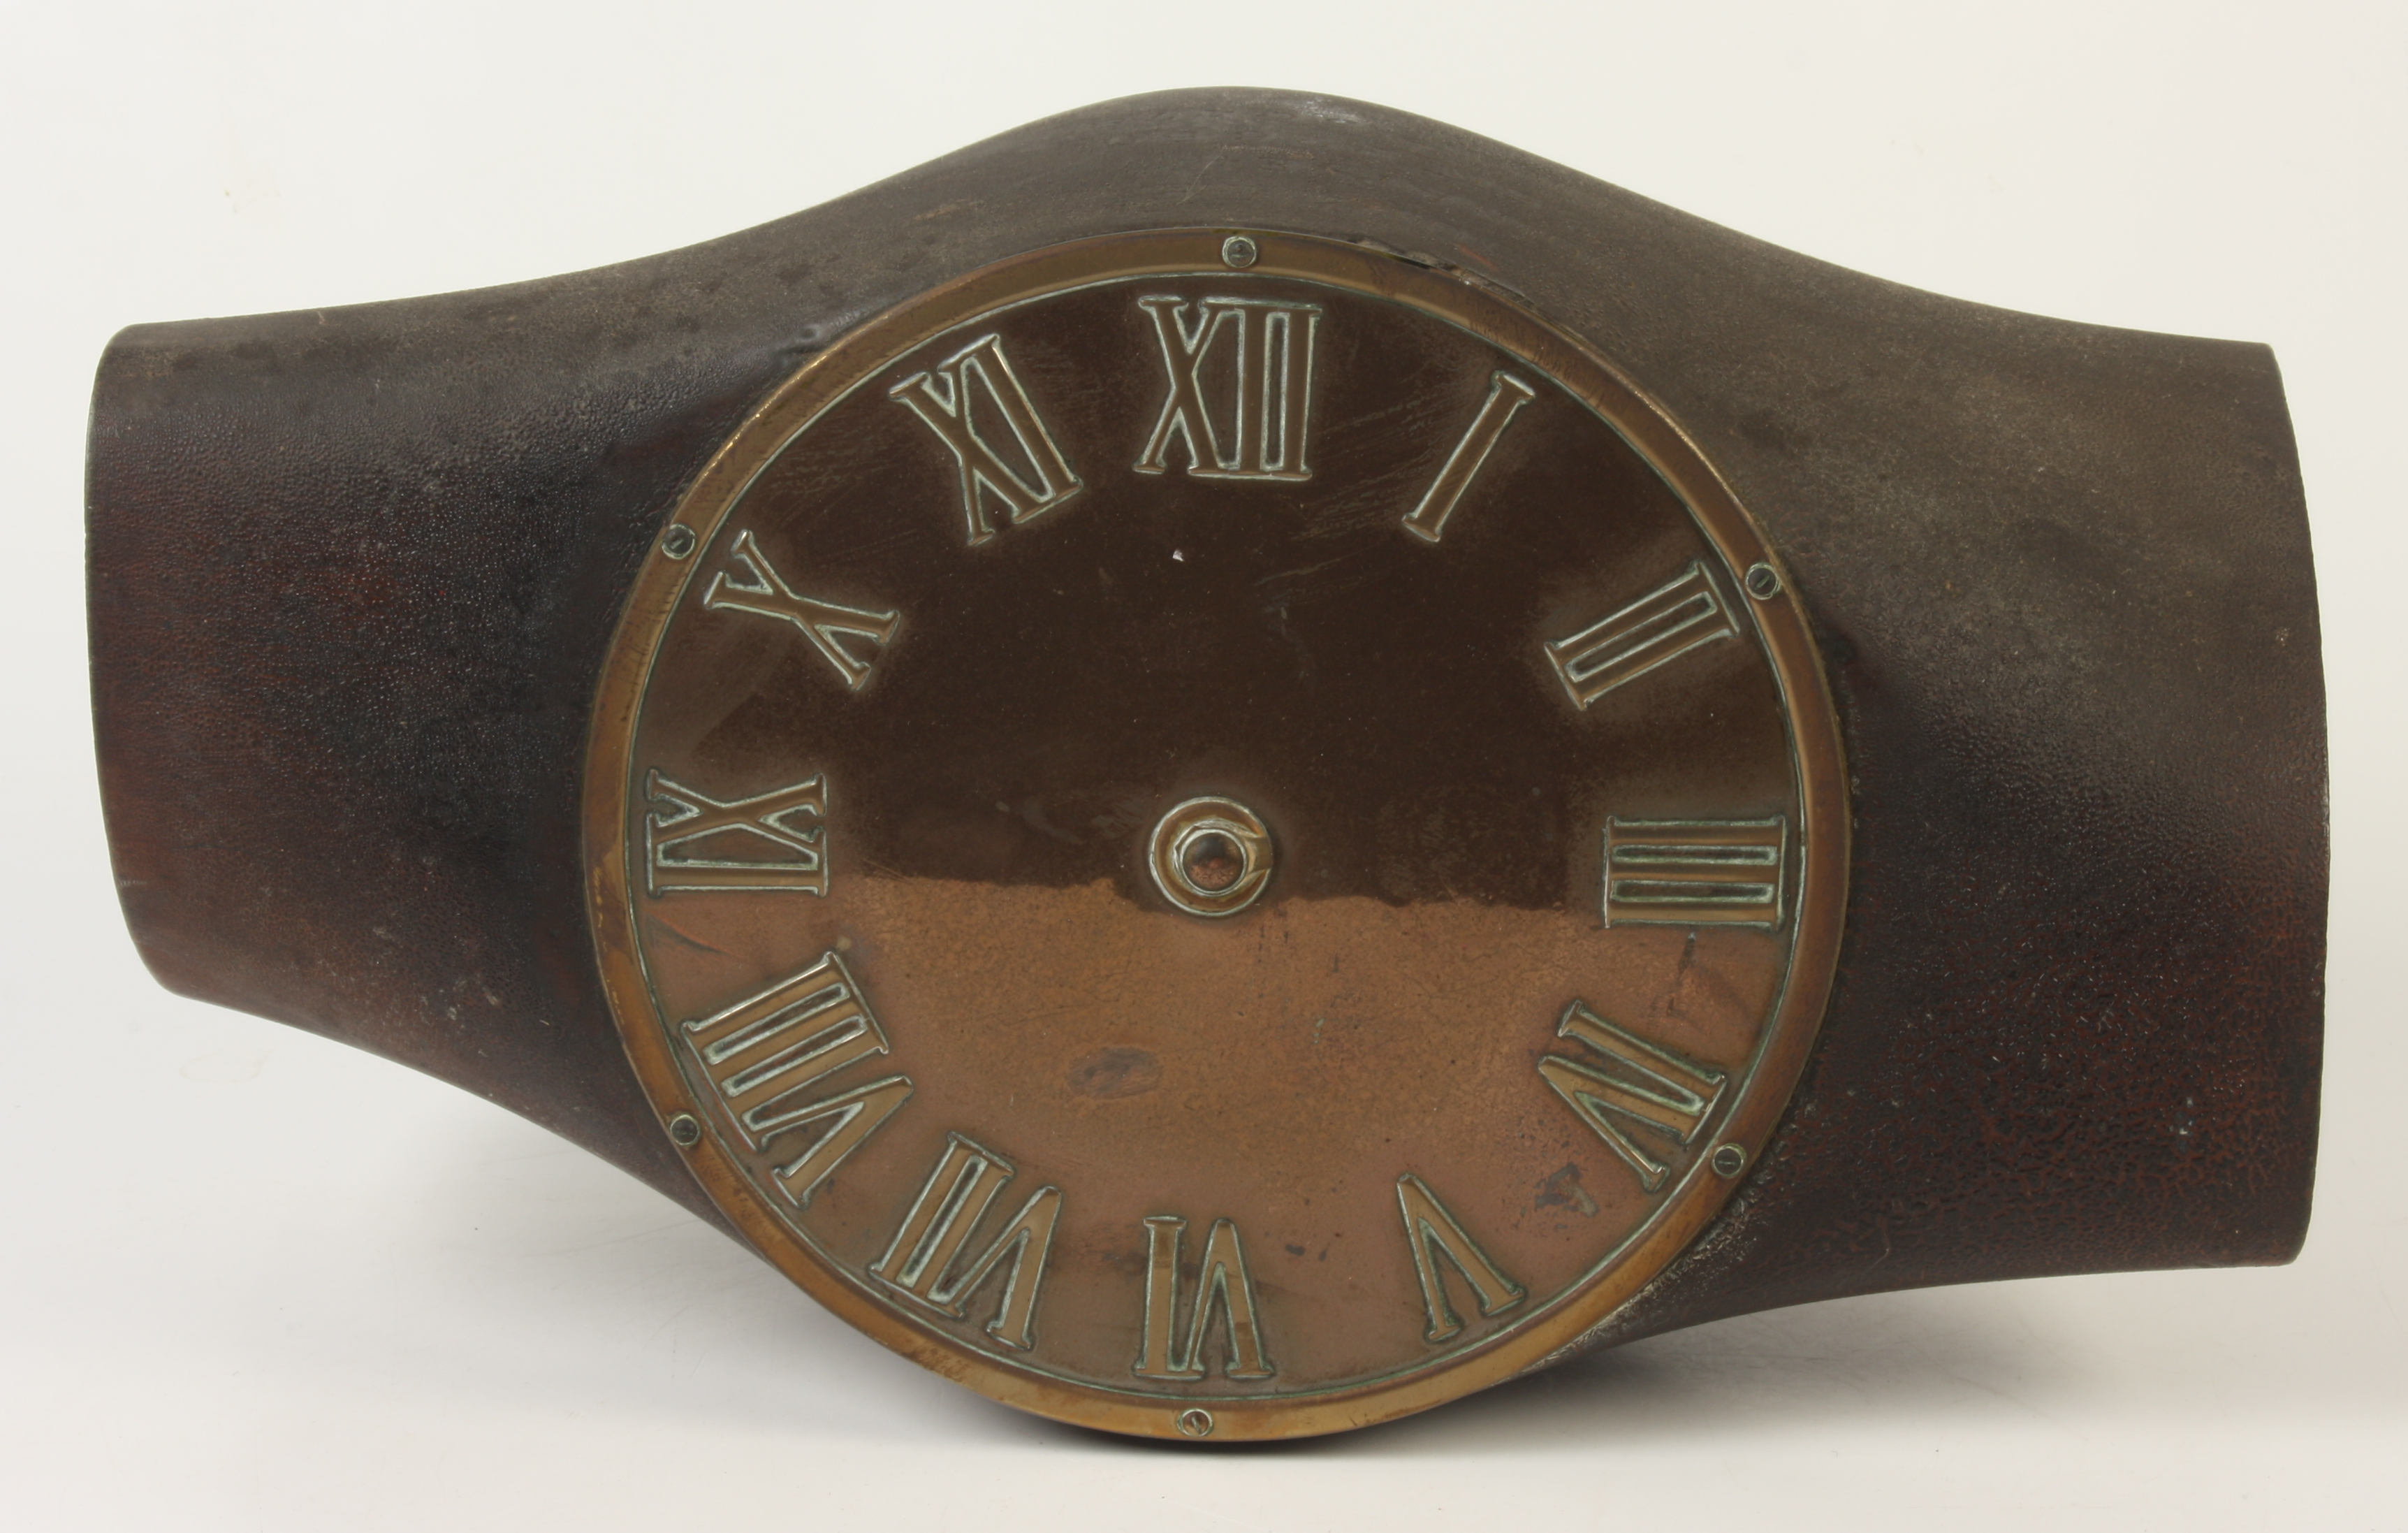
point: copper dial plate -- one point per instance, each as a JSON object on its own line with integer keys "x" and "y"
{"x": 1216, "y": 833}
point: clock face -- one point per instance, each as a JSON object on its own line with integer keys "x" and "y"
{"x": 1215, "y": 834}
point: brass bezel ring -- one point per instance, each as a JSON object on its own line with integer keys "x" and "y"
{"x": 1779, "y": 619}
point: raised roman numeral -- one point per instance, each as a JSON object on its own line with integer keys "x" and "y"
{"x": 940, "y": 1222}
{"x": 947, "y": 397}
{"x": 1223, "y": 1287}
{"x": 1694, "y": 872}
{"x": 1507, "y": 395}
{"x": 1639, "y": 1085}
{"x": 763, "y": 591}
{"x": 764, "y": 1051}
{"x": 688, "y": 816}
{"x": 1269, "y": 375}
{"x": 1434, "y": 1234}
{"x": 1662, "y": 626}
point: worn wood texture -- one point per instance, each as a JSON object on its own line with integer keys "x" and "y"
{"x": 353, "y": 573}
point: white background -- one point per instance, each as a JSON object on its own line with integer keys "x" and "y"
{"x": 250, "y": 1280}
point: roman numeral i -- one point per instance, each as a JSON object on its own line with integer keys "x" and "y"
{"x": 1507, "y": 395}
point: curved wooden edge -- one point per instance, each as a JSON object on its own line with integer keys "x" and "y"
{"x": 353, "y": 573}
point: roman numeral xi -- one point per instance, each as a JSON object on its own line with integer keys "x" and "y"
{"x": 978, "y": 409}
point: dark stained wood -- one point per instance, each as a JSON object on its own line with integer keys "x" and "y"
{"x": 354, "y": 571}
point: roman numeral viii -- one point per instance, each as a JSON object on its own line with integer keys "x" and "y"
{"x": 1625, "y": 1084}
{"x": 766, "y": 1051}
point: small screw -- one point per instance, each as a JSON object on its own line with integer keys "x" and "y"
{"x": 1239, "y": 251}
{"x": 1729, "y": 1159}
{"x": 1196, "y": 1422}
{"x": 678, "y": 541}
{"x": 686, "y": 1129}
{"x": 1763, "y": 582}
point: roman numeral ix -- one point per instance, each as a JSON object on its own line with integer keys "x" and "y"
{"x": 687, "y": 816}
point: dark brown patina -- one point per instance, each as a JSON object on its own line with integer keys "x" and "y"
{"x": 355, "y": 575}
{"x": 1067, "y": 653}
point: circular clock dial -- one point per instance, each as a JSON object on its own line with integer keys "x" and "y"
{"x": 1218, "y": 835}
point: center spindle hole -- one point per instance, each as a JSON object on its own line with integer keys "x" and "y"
{"x": 1211, "y": 856}
{"x": 1214, "y": 861}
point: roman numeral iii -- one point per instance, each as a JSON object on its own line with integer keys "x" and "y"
{"x": 1695, "y": 872}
